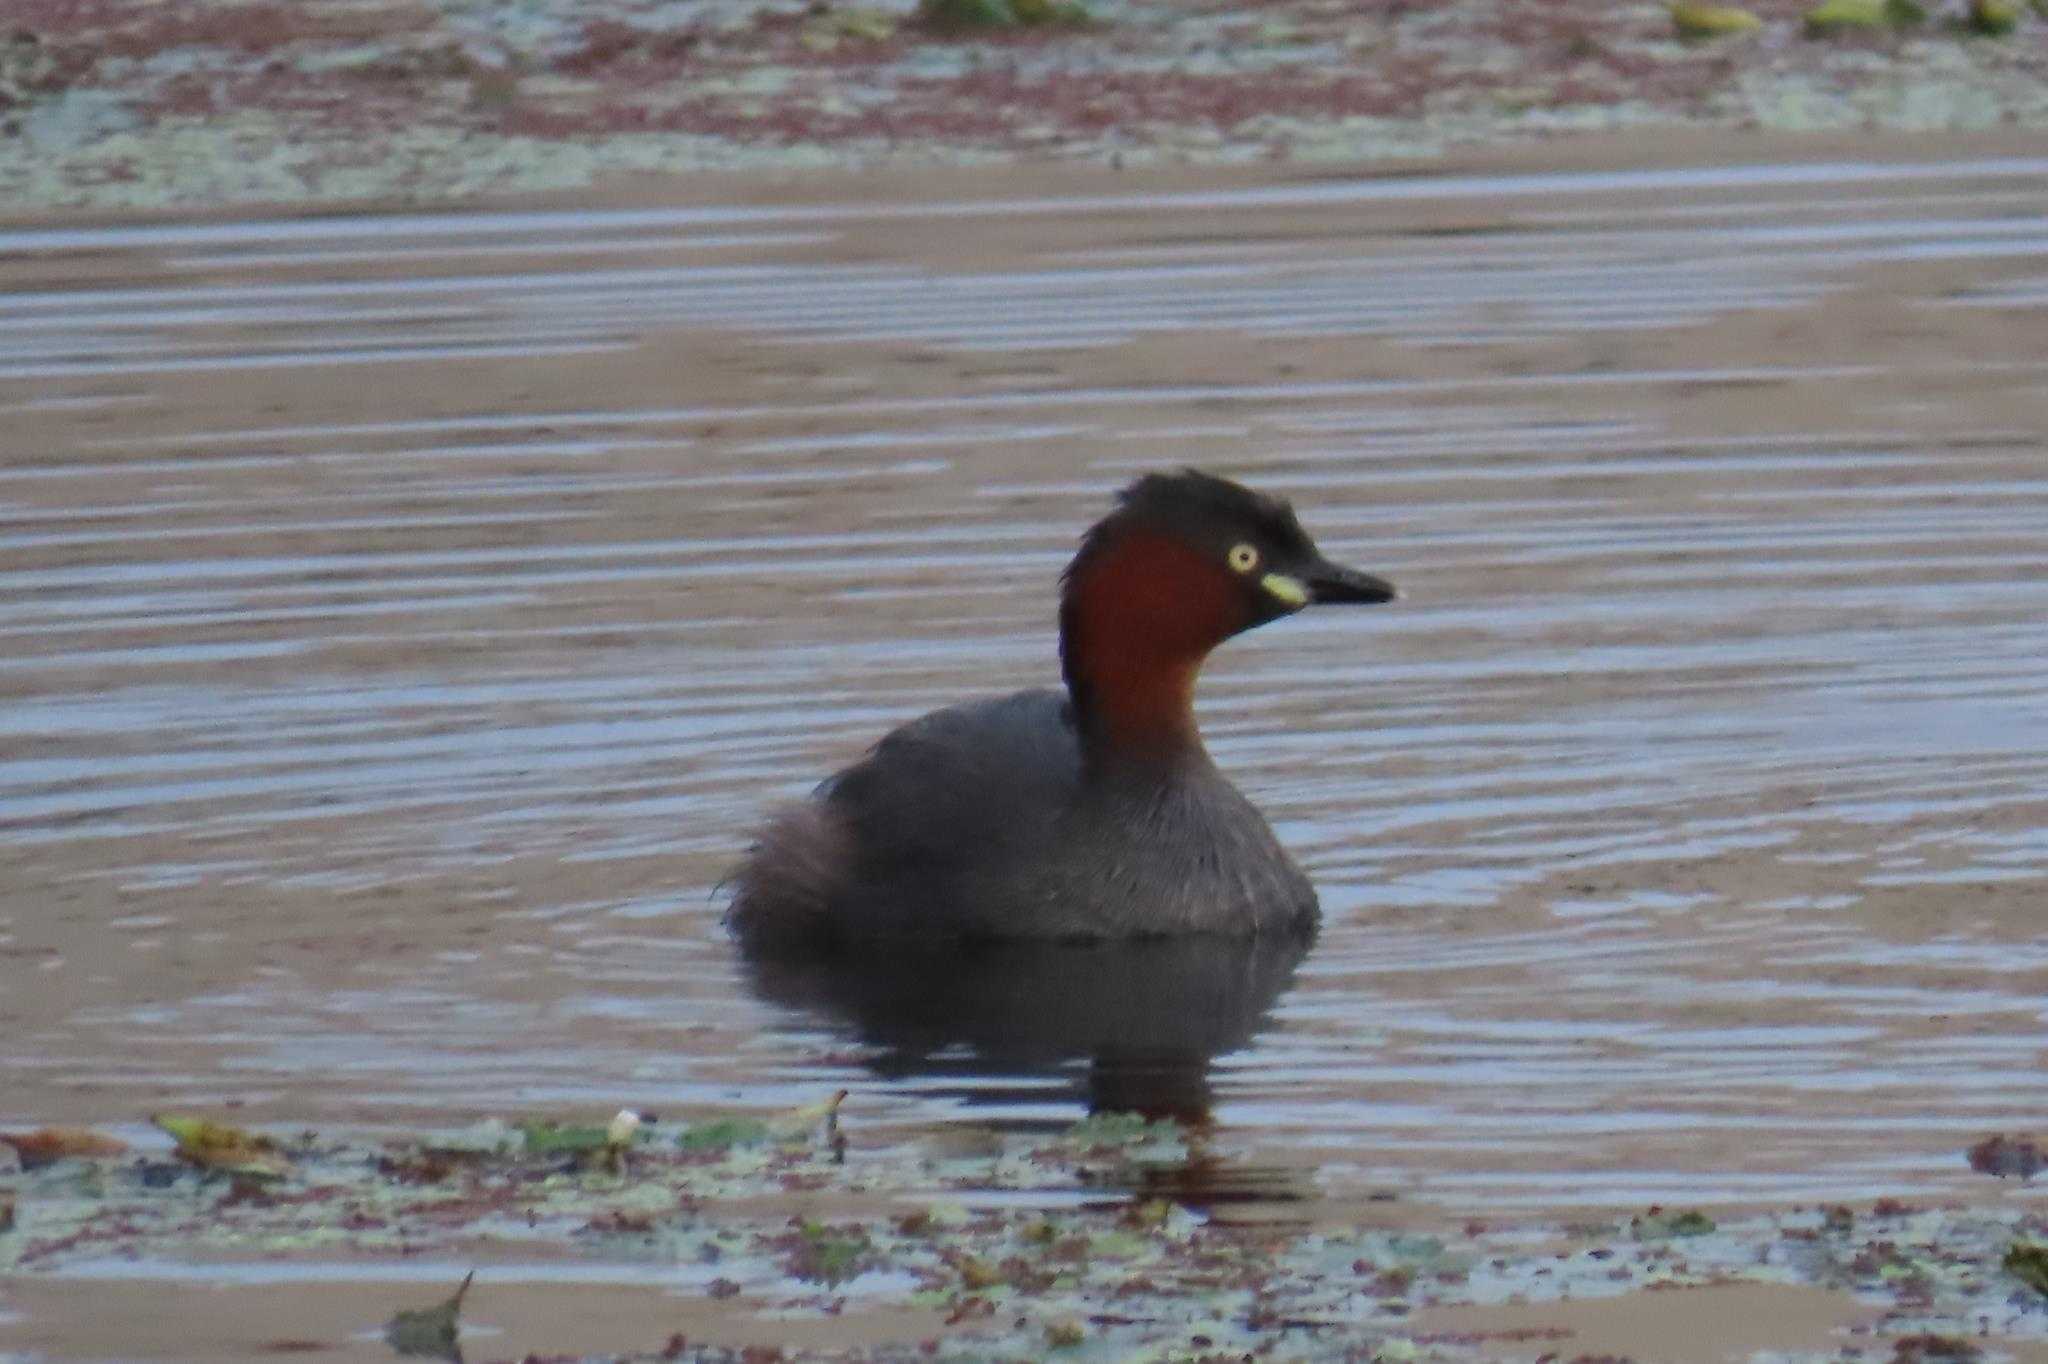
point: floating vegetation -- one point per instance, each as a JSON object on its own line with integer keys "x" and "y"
{"x": 431, "y": 1331}
{"x": 1993, "y": 18}
{"x": 237, "y": 100}
{"x": 1660, "y": 1225}
{"x": 2029, "y": 1264}
{"x": 1016, "y": 1245}
{"x": 46, "y": 1144}
{"x": 1703, "y": 23}
{"x": 225, "y": 1150}
{"x": 1832, "y": 17}
{"x": 959, "y": 17}
{"x": 546, "y": 1137}
{"x": 829, "y": 27}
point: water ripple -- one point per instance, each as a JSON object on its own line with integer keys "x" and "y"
{"x": 408, "y": 618}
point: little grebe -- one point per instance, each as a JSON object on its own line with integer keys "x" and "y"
{"x": 1089, "y": 815}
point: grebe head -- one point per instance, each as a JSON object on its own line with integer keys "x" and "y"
{"x": 1185, "y": 561}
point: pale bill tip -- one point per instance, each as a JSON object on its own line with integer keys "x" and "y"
{"x": 1286, "y": 590}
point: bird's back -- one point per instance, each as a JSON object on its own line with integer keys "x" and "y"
{"x": 932, "y": 834}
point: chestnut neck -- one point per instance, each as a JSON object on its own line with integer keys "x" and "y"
{"x": 1141, "y": 611}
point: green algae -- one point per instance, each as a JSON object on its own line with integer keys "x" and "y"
{"x": 1121, "y": 1129}
{"x": 829, "y": 1255}
{"x": 2029, "y": 1264}
{"x": 723, "y": 1133}
{"x": 1832, "y": 17}
{"x": 1018, "y": 1245}
{"x": 1660, "y": 1225}
{"x": 545, "y": 1137}
{"x": 1992, "y": 18}
{"x": 1697, "y": 23}
{"x": 965, "y": 16}
{"x": 960, "y": 18}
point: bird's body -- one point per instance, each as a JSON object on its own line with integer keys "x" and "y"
{"x": 987, "y": 808}
{"x": 1091, "y": 814}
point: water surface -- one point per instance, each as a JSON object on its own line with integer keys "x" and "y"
{"x": 406, "y": 621}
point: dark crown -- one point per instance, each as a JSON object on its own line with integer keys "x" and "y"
{"x": 1199, "y": 502}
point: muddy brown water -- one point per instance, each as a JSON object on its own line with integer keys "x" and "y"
{"x": 408, "y": 616}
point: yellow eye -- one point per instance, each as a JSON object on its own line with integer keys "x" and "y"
{"x": 1244, "y": 558}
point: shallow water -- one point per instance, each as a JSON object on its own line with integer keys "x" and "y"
{"x": 406, "y": 621}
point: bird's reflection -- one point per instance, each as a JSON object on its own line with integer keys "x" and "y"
{"x": 1133, "y": 1025}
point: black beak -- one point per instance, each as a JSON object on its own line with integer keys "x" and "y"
{"x": 1334, "y": 585}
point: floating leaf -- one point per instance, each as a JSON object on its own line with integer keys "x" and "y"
{"x": 1703, "y": 23}
{"x": 869, "y": 25}
{"x": 491, "y": 1137}
{"x": 1118, "y": 1245}
{"x": 2028, "y": 1263}
{"x": 1065, "y": 1334}
{"x": 420, "y": 1167}
{"x": 965, "y": 16}
{"x": 862, "y": 25}
{"x": 1659, "y": 1225}
{"x": 47, "y": 1144}
{"x": 223, "y": 1149}
{"x": 1844, "y": 16}
{"x": 1146, "y": 1216}
{"x": 1036, "y": 12}
{"x": 1415, "y": 1250}
{"x": 978, "y": 1274}
{"x": 430, "y": 1331}
{"x": 546, "y": 1137}
{"x": 1839, "y": 16}
{"x": 1994, "y": 18}
{"x": 827, "y": 1255}
{"x": 592, "y": 1147}
{"x": 721, "y": 1134}
{"x": 1121, "y": 1129}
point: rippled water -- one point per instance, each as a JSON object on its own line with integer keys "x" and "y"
{"x": 406, "y": 621}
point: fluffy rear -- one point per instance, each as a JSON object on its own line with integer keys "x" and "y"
{"x": 784, "y": 891}
{"x": 930, "y": 835}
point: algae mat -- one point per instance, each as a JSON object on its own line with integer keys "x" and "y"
{"x": 1092, "y": 1243}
